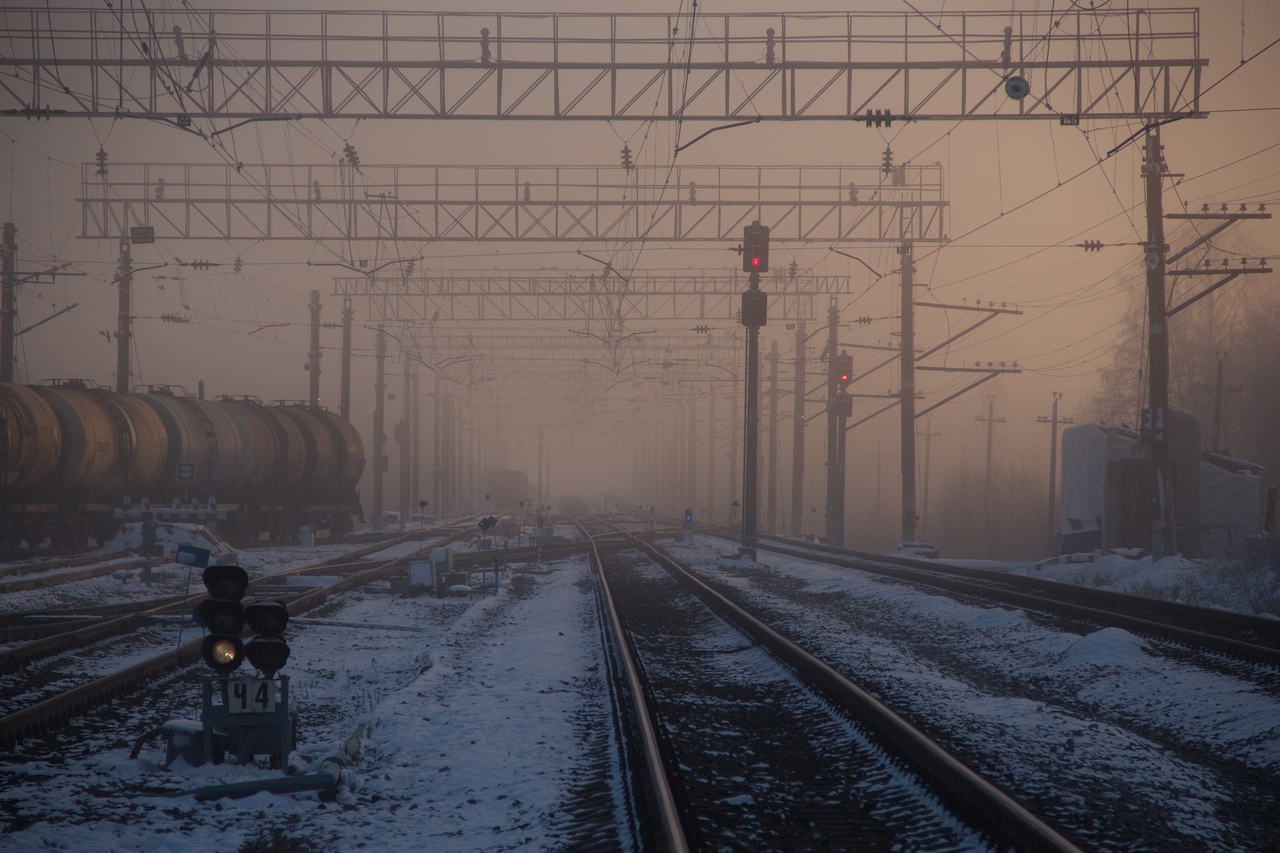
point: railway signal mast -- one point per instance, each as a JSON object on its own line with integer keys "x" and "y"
{"x": 755, "y": 313}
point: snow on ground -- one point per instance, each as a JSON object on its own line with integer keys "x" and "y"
{"x": 469, "y": 709}
{"x": 472, "y": 709}
{"x": 1243, "y": 586}
{"x": 1014, "y": 691}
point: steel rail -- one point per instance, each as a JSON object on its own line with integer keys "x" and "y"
{"x": 55, "y": 710}
{"x": 1103, "y": 606}
{"x": 659, "y": 785}
{"x": 982, "y": 803}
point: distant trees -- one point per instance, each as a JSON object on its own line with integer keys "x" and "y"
{"x": 1240, "y": 323}
{"x": 1009, "y": 524}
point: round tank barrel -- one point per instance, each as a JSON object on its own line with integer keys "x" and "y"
{"x": 32, "y": 438}
{"x": 94, "y": 444}
{"x": 204, "y": 446}
{"x": 264, "y": 445}
{"x": 350, "y": 447}
{"x": 147, "y": 445}
{"x": 322, "y": 464}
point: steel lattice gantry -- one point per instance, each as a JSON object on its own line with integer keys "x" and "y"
{"x": 587, "y": 296}
{"x": 512, "y": 203}
{"x": 185, "y": 65}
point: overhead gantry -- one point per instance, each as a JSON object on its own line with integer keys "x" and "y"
{"x": 853, "y": 204}
{"x": 200, "y": 68}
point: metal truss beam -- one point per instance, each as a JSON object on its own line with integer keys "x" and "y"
{"x": 429, "y": 204}
{"x": 588, "y": 297}
{"x": 185, "y": 65}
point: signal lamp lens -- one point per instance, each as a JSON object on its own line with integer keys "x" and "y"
{"x": 227, "y": 583}
{"x": 267, "y": 617}
{"x": 220, "y": 617}
{"x": 267, "y": 654}
{"x": 222, "y": 654}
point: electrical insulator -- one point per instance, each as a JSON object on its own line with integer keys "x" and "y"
{"x": 159, "y": 189}
{"x": 793, "y": 270}
{"x": 879, "y": 116}
{"x": 1092, "y": 245}
{"x": 853, "y": 192}
{"x": 101, "y": 157}
{"x": 238, "y": 266}
{"x": 887, "y": 168}
{"x": 353, "y": 158}
{"x": 626, "y": 157}
{"x": 693, "y": 193}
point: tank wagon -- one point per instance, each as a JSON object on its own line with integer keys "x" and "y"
{"x": 77, "y": 460}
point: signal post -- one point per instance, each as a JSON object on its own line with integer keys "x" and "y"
{"x": 755, "y": 311}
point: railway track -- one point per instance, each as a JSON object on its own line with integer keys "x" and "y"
{"x": 43, "y": 702}
{"x": 1239, "y": 635}
{"x": 755, "y": 744}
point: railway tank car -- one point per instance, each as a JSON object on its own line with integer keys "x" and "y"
{"x": 77, "y": 460}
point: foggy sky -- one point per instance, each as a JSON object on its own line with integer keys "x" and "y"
{"x": 1072, "y": 299}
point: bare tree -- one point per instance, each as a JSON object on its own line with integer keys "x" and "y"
{"x": 1007, "y": 525}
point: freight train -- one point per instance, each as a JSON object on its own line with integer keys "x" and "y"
{"x": 77, "y": 460}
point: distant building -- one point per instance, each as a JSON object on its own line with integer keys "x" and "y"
{"x": 1106, "y": 485}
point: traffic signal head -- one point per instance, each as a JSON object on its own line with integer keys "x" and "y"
{"x": 222, "y": 616}
{"x": 268, "y": 651}
{"x": 755, "y": 248}
{"x": 844, "y": 369}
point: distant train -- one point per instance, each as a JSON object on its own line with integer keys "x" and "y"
{"x": 78, "y": 460}
{"x": 508, "y": 490}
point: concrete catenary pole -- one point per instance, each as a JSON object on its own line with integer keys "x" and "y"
{"x": 835, "y": 471}
{"x": 124, "y": 319}
{"x": 344, "y": 392}
{"x": 771, "y": 496}
{"x": 379, "y": 415}
{"x": 797, "y": 435}
{"x": 313, "y": 357}
{"x": 1156, "y": 419}
{"x": 8, "y": 302}
{"x": 1053, "y": 423}
{"x": 908, "y": 390}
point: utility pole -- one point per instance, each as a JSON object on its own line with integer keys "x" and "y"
{"x": 990, "y": 420}
{"x": 124, "y": 320}
{"x": 415, "y": 430}
{"x": 711, "y": 456}
{"x": 797, "y": 436}
{"x": 929, "y": 435}
{"x": 541, "y": 448}
{"x": 835, "y": 470}
{"x": 344, "y": 393}
{"x": 908, "y": 407}
{"x": 8, "y": 302}
{"x": 1218, "y": 390}
{"x": 1053, "y": 423}
{"x": 313, "y": 357}
{"x": 691, "y": 463}
{"x": 771, "y": 496}
{"x": 1155, "y": 418}
{"x": 734, "y": 457}
{"x": 879, "y": 456}
{"x": 405, "y": 436}
{"x": 437, "y": 461}
{"x": 379, "y": 415}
